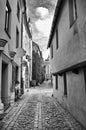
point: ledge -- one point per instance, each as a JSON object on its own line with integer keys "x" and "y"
{"x": 73, "y": 68}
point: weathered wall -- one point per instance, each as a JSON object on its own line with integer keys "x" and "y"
{"x": 11, "y": 44}
{"x": 75, "y": 101}
{"x": 72, "y": 45}
{"x": 77, "y": 95}
{"x": 71, "y": 50}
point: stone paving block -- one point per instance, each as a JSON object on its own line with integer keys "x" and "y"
{"x": 39, "y": 111}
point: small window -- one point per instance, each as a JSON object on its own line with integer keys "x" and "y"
{"x": 18, "y": 11}
{"x": 21, "y": 29}
{"x": 85, "y": 77}
{"x": 72, "y": 12}
{"x": 56, "y": 38}
{"x": 51, "y": 51}
{"x": 65, "y": 84}
{"x": 56, "y": 81}
{"x": 16, "y": 75}
{"x": 21, "y": 33}
{"x": 8, "y": 18}
{"x": 17, "y": 38}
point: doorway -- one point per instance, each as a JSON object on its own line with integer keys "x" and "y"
{"x": 4, "y": 88}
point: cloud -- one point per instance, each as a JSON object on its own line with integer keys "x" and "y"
{"x": 34, "y": 4}
{"x": 42, "y": 12}
{"x": 44, "y": 26}
{"x": 45, "y": 53}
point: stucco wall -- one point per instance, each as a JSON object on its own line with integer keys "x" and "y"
{"x": 72, "y": 45}
{"x": 11, "y": 41}
{"x": 77, "y": 95}
{"x": 71, "y": 50}
{"x": 75, "y": 101}
{"x": 11, "y": 44}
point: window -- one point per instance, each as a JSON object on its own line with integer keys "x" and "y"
{"x": 56, "y": 81}
{"x": 17, "y": 38}
{"x": 65, "y": 84}
{"x": 56, "y": 38}
{"x": 72, "y": 12}
{"x": 21, "y": 34}
{"x": 21, "y": 30}
{"x": 18, "y": 11}
{"x": 85, "y": 77}
{"x": 16, "y": 75}
{"x": 8, "y": 19}
{"x": 51, "y": 51}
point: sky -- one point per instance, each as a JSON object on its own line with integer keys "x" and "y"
{"x": 41, "y": 14}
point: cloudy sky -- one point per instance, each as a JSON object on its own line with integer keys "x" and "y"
{"x": 41, "y": 14}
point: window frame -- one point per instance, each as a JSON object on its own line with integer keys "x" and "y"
{"x": 56, "y": 78}
{"x": 16, "y": 74}
{"x": 56, "y": 38}
{"x": 17, "y": 37}
{"x": 51, "y": 48}
{"x": 85, "y": 77}
{"x": 8, "y": 19}
{"x": 18, "y": 10}
{"x": 72, "y": 12}
{"x": 65, "y": 84}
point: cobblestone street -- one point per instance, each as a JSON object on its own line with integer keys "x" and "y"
{"x": 38, "y": 110}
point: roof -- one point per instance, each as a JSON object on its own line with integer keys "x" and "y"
{"x": 59, "y": 2}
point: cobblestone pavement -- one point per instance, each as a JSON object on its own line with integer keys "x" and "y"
{"x": 37, "y": 110}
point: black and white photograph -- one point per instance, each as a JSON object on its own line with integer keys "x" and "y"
{"x": 42, "y": 64}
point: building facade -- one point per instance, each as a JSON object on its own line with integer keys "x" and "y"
{"x": 11, "y": 50}
{"x": 67, "y": 43}
{"x": 47, "y": 69}
{"x": 27, "y": 45}
{"x": 37, "y": 69}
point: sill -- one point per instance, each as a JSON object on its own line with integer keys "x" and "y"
{"x": 7, "y": 33}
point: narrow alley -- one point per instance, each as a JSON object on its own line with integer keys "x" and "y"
{"x": 37, "y": 109}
